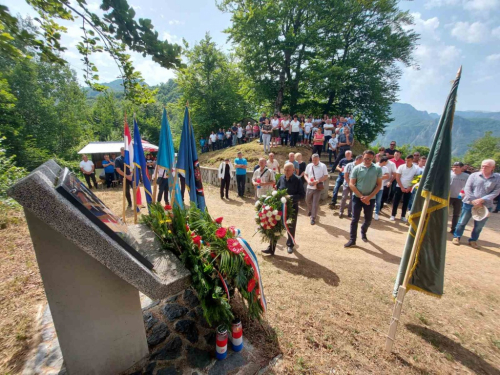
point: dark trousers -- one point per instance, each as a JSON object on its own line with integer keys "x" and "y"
{"x": 293, "y": 225}
{"x": 317, "y": 149}
{"x": 240, "y": 181}
{"x": 109, "y": 179}
{"x": 338, "y": 184}
{"x": 397, "y": 198}
{"x": 284, "y": 138}
{"x": 128, "y": 186}
{"x": 293, "y": 139}
{"x": 325, "y": 143}
{"x": 88, "y": 177}
{"x": 457, "y": 210}
{"x": 391, "y": 192}
{"x": 330, "y": 153}
{"x": 163, "y": 190}
{"x": 357, "y": 206}
{"x": 340, "y": 156}
{"x": 224, "y": 184}
{"x": 220, "y": 144}
{"x": 213, "y": 146}
{"x": 385, "y": 196}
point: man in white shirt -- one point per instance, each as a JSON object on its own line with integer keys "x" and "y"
{"x": 263, "y": 179}
{"x": 240, "y": 134}
{"x": 404, "y": 175}
{"x": 308, "y": 130}
{"x": 332, "y": 147}
{"x": 88, "y": 170}
{"x": 213, "y": 140}
{"x": 294, "y": 131}
{"x": 273, "y": 164}
{"x": 327, "y": 131}
{"x": 316, "y": 174}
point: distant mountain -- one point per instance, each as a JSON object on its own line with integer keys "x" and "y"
{"x": 414, "y": 127}
{"x": 167, "y": 92}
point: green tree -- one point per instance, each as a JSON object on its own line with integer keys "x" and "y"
{"x": 334, "y": 57}
{"x": 487, "y": 147}
{"x": 113, "y": 33}
{"x": 210, "y": 84}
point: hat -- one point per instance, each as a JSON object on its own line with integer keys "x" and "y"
{"x": 479, "y": 213}
{"x": 458, "y": 164}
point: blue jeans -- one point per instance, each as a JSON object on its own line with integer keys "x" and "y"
{"x": 412, "y": 198}
{"x": 378, "y": 201}
{"x": 464, "y": 219}
{"x": 338, "y": 184}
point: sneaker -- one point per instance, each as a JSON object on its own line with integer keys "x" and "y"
{"x": 375, "y": 216}
{"x": 350, "y": 243}
{"x": 392, "y": 218}
{"x": 313, "y": 222}
{"x": 404, "y": 219}
{"x": 349, "y": 215}
{"x": 474, "y": 245}
{"x": 331, "y": 204}
{"x": 341, "y": 215}
{"x": 289, "y": 250}
{"x": 456, "y": 241}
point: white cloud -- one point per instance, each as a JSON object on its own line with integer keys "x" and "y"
{"x": 476, "y": 32}
{"x": 426, "y": 28}
{"x": 496, "y": 32}
{"x": 481, "y": 5}
{"x": 493, "y": 58}
{"x": 152, "y": 72}
{"x": 93, "y": 6}
{"x": 175, "y": 22}
{"x": 448, "y": 55}
{"x": 136, "y": 7}
{"x": 171, "y": 38}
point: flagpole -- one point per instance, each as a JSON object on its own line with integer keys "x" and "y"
{"x": 135, "y": 196}
{"x": 124, "y": 181}
{"x": 155, "y": 177}
{"x": 391, "y": 337}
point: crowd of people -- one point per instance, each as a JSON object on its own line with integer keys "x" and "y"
{"x": 369, "y": 181}
{"x": 323, "y": 134}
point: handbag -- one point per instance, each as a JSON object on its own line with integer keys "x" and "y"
{"x": 319, "y": 185}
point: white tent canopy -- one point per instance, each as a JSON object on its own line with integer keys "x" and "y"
{"x": 112, "y": 147}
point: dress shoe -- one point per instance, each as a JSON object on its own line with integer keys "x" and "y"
{"x": 313, "y": 221}
{"x": 350, "y": 243}
{"x": 289, "y": 250}
{"x": 364, "y": 238}
{"x": 341, "y": 215}
{"x": 268, "y": 251}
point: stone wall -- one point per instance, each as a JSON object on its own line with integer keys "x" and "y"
{"x": 210, "y": 176}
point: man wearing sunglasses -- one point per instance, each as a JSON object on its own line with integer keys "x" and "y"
{"x": 389, "y": 152}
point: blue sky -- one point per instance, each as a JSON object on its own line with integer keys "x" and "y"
{"x": 453, "y": 32}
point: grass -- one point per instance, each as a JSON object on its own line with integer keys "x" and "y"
{"x": 21, "y": 292}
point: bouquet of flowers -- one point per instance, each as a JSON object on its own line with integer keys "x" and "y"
{"x": 272, "y": 213}
{"x": 219, "y": 260}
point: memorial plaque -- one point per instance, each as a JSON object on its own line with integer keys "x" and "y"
{"x": 96, "y": 211}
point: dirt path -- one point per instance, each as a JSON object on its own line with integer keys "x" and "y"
{"x": 330, "y": 306}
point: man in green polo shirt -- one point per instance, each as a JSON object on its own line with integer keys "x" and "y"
{"x": 365, "y": 182}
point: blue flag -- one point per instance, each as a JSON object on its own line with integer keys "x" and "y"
{"x": 166, "y": 160}
{"x": 140, "y": 164}
{"x": 188, "y": 166}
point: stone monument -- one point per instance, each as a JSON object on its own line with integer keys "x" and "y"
{"x": 92, "y": 282}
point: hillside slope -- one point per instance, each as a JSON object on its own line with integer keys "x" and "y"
{"x": 414, "y": 127}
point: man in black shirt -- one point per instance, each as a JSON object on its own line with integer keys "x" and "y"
{"x": 340, "y": 179}
{"x": 262, "y": 119}
{"x": 295, "y": 188}
{"x": 389, "y": 152}
{"x": 119, "y": 168}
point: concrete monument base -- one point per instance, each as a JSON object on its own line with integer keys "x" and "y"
{"x": 80, "y": 290}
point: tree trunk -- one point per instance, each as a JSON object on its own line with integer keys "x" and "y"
{"x": 278, "y": 104}
{"x": 331, "y": 98}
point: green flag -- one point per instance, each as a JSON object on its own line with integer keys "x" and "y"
{"x": 427, "y": 270}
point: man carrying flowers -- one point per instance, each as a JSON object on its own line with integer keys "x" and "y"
{"x": 295, "y": 189}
